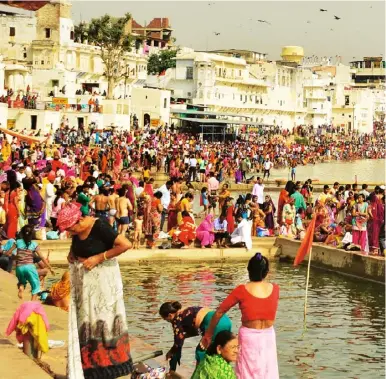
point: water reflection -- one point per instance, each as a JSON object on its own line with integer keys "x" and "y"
{"x": 345, "y": 326}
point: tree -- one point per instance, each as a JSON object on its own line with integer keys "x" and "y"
{"x": 158, "y": 63}
{"x": 112, "y": 35}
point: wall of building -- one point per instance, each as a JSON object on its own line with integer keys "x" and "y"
{"x": 25, "y": 33}
{"x": 3, "y": 115}
{"x": 155, "y": 103}
{"x": 46, "y": 120}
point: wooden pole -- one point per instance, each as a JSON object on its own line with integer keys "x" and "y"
{"x": 307, "y": 283}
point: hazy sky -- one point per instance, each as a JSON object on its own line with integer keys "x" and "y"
{"x": 360, "y": 32}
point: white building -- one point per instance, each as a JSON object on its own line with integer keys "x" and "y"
{"x": 39, "y": 53}
{"x": 282, "y": 93}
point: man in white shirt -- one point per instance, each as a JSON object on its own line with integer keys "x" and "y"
{"x": 192, "y": 168}
{"x": 267, "y": 168}
{"x": 258, "y": 190}
{"x": 20, "y": 173}
{"x": 165, "y": 200}
{"x": 213, "y": 185}
{"x": 364, "y": 191}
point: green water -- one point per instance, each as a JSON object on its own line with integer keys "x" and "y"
{"x": 345, "y": 336}
{"x": 346, "y": 318}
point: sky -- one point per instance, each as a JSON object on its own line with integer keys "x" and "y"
{"x": 360, "y": 31}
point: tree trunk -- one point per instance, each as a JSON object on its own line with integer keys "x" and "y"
{"x": 110, "y": 88}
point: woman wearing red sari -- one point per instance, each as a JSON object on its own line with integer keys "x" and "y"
{"x": 187, "y": 230}
{"x": 13, "y": 211}
{"x": 374, "y": 224}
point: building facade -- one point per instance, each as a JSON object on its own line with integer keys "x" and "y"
{"x": 42, "y": 60}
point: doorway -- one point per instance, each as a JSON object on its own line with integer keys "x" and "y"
{"x": 146, "y": 119}
{"x": 34, "y": 121}
{"x": 80, "y": 122}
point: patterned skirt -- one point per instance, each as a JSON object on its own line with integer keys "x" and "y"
{"x": 98, "y": 343}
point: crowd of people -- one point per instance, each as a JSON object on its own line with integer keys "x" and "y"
{"x": 98, "y": 188}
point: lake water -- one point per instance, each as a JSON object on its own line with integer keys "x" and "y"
{"x": 370, "y": 170}
{"x": 345, "y": 336}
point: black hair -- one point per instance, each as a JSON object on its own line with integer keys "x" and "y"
{"x": 185, "y": 214}
{"x": 158, "y": 195}
{"x": 221, "y": 339}
{"x": 122, "y": 192}
{"x": 27, "y": 234}
{"x": 58, "y": 194}
{"x": 204, "y": 189}
{"x": 169, "y": 307}
{"x": 289, "y": 187}
{"x": 189, "y": 195}
{"x": 258, "y": 268}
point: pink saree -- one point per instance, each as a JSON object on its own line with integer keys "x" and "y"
{"x": 257, "y": 357}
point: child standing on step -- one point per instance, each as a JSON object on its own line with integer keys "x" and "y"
{"x": 26, "y": 251}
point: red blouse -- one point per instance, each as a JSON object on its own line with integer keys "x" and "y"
{"x": 252, "y": 307}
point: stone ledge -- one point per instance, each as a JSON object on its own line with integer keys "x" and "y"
{"x": 349, "y": 263}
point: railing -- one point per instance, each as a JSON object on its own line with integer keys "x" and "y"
{"x": 39, "y": 105}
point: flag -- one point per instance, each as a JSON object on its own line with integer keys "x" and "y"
{"x": 306, "y": 244}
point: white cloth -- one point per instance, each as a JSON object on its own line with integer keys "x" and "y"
{"x": 165, "y": 199}
{"x": 49, "y": 199}
{"x": 243, "y": 234}
{"x": 258, "y": 190}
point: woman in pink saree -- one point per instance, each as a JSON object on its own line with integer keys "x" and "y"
{"x": 374, "y": 224}
{"x": 205, "y": 232}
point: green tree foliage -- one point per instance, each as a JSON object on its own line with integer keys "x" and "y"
{"x": 161, "y": 62}
{"x": 112, "y": 35}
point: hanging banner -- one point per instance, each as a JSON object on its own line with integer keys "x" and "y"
{"x": 60, "y": 100}
{"x": 11, "y": 124}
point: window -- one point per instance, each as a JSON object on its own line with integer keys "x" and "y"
{"x": 72, "y": 35}
{"x": 55, "y": 83}
{"x": 189, "y": 73}
{"x": 165, "y": 102}
{"x": 346, "y": 100}
{"x": 41, "y": 62}
{"x": 48, "y": 32}
{"x": 24, "y": 55}
{"x": 12, "y": 31}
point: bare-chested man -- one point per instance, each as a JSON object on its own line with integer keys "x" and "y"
{"x": 102, "y": 204}
{"x": 123, "y": 208}
{"x": 112, "y": 200}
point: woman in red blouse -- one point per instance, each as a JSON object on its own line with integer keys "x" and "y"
{"x": 258, "y": 301}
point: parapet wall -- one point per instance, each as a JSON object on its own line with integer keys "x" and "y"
{"x": 344, "y": 262}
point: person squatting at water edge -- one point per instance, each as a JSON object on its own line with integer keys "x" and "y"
{"x": 189, "y": 322}
{"x": 258, "y": 302}
{"x": 99, "y": 345}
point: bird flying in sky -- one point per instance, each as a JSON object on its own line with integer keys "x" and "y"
{"x": 263, "y": 21}
{"x": 216, "y": 33}
{"x": 323, "y": 10}
{"x": 337, "y": 18}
